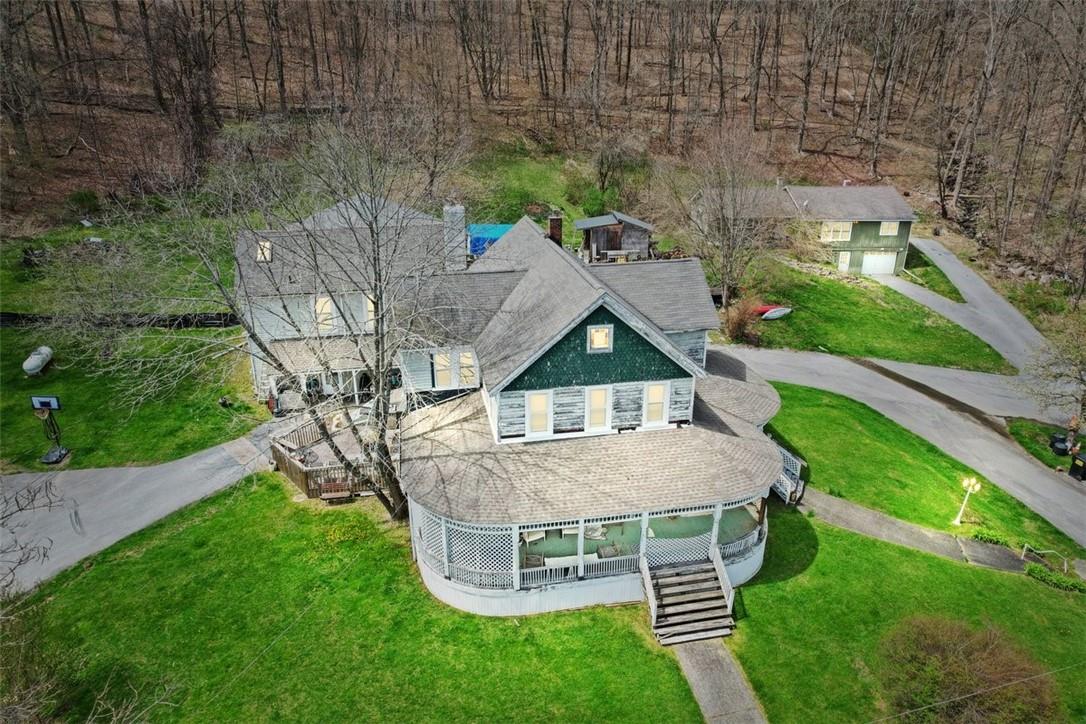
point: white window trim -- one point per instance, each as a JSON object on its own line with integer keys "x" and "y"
{"x": 528, "y": 434}
{"x": 456, "y": 383}
{"x": 610, "y": 339}
{"x": 588, "y": 408}
{"x": 263, "y": 251}
{"x": 882, "y": 227}
{"x": 453, "y": 376}
{"x": 645, "y": 405}
{"x": 460, "y": 367}
{"x": 369, "y": 325}
{"x": 828, "y": 233}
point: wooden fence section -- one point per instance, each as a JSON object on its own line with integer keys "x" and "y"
{"x": 319, "y": 481}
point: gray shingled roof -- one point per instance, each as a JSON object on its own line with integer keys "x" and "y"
{"x": 732, "y": 388}
{"x": 311, "y": 355}
{"x": 452, "y": 466}
{"x": 355, "y": 210}
{"x": 851, "y": 203}
{"x": 831, "y": 203}
{"x": 610, "y": 218}
{"x": 556, "y": 292}
{"x": 456, "y": 307}
{"x": 673, "y": 294}
{"x": 321, "y": 260}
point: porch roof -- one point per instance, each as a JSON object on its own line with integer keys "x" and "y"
{"x": 451, "y": 464}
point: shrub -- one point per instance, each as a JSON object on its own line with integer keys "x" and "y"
{"x": 509, "y": 203}
{"x": 739, "y": 320}
{"x": 938, "y": 666}
{"x": 1056, "y": 580}
{"x": 576, "y": 181}
{"x": 990, "y": 536}
{"x": 83, "y": 202}
{"x": 597, "y": 203}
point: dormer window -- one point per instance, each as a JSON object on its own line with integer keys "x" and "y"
{"x": 264, "y": 250}
{"x": 600, "y": 338}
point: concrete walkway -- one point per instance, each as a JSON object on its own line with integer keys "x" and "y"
{"x": 1056, "y": 497}
{"x": 718, "y": 683}
{"x": 985, "y": 312}
{"x": 98, "y": 507}
{"x": 873, "y": 524}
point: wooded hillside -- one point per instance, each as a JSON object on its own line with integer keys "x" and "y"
{"x": 976, "y": 107}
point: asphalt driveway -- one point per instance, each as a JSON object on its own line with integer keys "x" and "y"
{"x": 98, "y": 507}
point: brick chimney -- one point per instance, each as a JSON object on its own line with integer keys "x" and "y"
{"x": 554, "y": 228}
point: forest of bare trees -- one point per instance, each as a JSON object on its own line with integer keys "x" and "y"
{"x": 978, "y": 106}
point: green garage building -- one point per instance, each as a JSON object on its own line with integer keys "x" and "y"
{"x": 866, "y": 227}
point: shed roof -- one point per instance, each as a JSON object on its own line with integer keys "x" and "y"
{"x": 610, "y": 218}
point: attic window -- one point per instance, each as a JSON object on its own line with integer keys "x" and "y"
{"x": 888, "y": 228}
{"x": 600, "y": 338}
{"x": 264, "y": 250}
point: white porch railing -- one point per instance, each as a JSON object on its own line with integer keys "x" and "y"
{"x": 532, "y": 577}
{"x": 722, "y": 573}
{"x": 611, "y": 566}
{"x": 650, "y": 592}
{"x": 789, "y": 484}
{"x": 481, "y": 579}
{"x": 741, "y": 546}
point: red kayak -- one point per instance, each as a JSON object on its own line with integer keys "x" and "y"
{"x": 766, "y": 308}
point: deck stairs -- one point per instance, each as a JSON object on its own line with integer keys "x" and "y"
{"x": 689, "y": 603}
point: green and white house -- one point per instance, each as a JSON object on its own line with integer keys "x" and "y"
{"x": 865, "y": 228}
{"x": 587, "y": 447}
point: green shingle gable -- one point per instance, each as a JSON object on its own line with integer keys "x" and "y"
{"x": 568, "y": 363}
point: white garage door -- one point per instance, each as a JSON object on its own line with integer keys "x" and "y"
{"x": 879, "y": 262}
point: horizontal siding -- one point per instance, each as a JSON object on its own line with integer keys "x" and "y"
{"x": 626, "y": 405}
{"x": 510, "y": 414}
{"x": 293, "y": 317}
{"x": 691, "y": 343}
{"x": 569, "y": 409}
{"x": 681, "y": 395}
{"x": 415, "y": 366}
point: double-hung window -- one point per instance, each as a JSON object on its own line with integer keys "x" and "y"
{"x": 888, "y": 228}
{"x": 467, "y": 369}
{"x": 836, "y": 230}
{"x": 324, "y": 314}
{"x": 597, "y": 409}
{"x": 537, "y": 414}
{"x": 264, "y": 250}
{"x": 655, "y": 409}
{"x": 371, "y": 315}
{"x": 443, "y": 370}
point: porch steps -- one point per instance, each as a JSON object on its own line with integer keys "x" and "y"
{"x": 690, "y": 604}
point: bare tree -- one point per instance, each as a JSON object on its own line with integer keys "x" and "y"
{"x": 1057, "y": 378}
{"x": 372, "y": 244}
{"x": 720, "y": 205}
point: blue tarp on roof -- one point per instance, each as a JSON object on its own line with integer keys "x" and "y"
{"x": 481, "y": 236}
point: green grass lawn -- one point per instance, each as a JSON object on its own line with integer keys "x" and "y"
{"x": 812, "y": 619}
{"x": 859, "y": 454}
{"x": 864, "y": 321}
{"x": 103, "y": 432}
{"x": 255, "y": 608}
{"x": 930, "y": 275}
{"x": 1033, "y": 436}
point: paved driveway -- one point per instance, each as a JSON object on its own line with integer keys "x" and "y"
{"x": 1057, "y": 497}
{"x": 99, "y": 507}
{"x": 985, "y": 312}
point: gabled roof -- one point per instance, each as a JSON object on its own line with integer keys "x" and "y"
{"x": 610, "y": 218}
{"x": 851, "y": 203}
{"x": 672, "y": 294}
{"x": 556, "y": 293}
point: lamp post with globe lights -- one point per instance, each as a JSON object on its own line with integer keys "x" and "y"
{"x": 971, "y": 485}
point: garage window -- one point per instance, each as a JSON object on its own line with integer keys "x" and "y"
{"x": 836, "y": 230}
{"x": 888, "y": 228}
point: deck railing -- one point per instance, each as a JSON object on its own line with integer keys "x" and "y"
{"x": 722, "y": 573}
{"x": 611, "y": 566}
{"x": 482, "y": 579}
{"x": 317, "y": 480}
{"x": 742, "y": 546}
{"x": 650, "y": 591}
{"x": 531, "y": 577}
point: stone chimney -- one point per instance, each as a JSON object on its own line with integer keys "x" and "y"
{"x": 456, "y": 237}
{"x": 554, "y": 228}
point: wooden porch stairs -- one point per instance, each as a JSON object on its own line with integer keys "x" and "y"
{"x": 690, "y": 603}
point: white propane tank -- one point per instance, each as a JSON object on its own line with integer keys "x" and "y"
{"x": 37, "y": 360}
